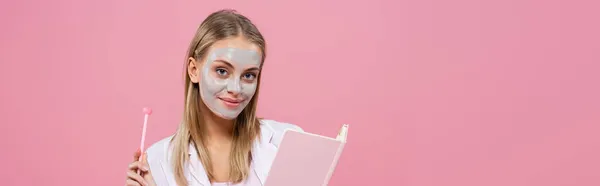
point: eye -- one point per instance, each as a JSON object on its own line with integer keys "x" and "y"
{"x": 221, "y": 72}
{"x": 249, "y": 76}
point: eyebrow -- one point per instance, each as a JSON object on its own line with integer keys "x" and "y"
{"x": 231, "y": 66}
{"x": 253, "y": 68}
{"x": 226, "y": 62}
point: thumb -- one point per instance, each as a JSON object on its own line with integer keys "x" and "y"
{"x": 145, "y": 158}
{"x": 145, "y": 161}
{"x": 148, "y": 174}
{"x": 136, "y": 155}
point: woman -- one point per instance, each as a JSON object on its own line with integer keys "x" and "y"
{"x": 220, "y": 140}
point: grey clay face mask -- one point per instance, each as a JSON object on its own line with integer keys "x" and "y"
{"x": 218, "y": 84}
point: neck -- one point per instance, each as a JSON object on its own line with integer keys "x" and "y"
{"x": 219, "y": 130}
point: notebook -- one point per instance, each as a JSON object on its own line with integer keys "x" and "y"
{"x": 306, "y": 159}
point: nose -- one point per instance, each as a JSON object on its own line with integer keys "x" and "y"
{"x": 234, "y": 87}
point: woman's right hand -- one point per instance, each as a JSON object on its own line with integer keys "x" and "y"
{"x": 142, "y": 179}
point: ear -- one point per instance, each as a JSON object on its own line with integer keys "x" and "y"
{"x": 193, "y": 69}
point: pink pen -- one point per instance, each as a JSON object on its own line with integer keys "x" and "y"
{"x": 147, "y": 111}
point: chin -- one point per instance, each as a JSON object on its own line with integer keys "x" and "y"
{"x": 227, "y": 116}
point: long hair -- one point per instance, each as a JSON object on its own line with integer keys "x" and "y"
{"x": 217, "y": 26}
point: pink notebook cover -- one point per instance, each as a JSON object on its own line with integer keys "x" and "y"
{"x": 305, "y": 159}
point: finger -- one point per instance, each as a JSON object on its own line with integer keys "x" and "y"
{"x": 138, "y": 165}
{"x": 136, "y": 177}
{"x": 131, "y": 182}
{"x": 148, "y": 177}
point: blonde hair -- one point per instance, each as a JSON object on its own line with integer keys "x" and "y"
{"x": 217, "y": 26}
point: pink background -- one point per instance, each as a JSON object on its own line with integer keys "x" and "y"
{"x": 438, "y": 93}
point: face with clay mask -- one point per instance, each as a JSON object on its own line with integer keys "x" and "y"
{"x": 228, "y": 79}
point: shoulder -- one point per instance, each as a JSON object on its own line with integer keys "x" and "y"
{"x": 274, "y": 130}
{"x": 278, "y": 127}
{"x": 159, "y": 149}
{"x": 158, "y": 158}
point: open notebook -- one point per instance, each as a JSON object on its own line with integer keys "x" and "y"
{"x": 306, "y": 159}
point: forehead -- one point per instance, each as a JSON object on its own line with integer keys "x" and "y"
{"x": 237, "y": 47}
{"x": 235, "y": 55}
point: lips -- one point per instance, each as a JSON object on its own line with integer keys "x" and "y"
{"x": 232, "y": 103}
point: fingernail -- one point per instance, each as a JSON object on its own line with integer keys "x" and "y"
{"x": 145, "y": 168}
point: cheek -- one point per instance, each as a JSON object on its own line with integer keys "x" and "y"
{"x": 249, "y": 89}
{"x": 211, "y": 84}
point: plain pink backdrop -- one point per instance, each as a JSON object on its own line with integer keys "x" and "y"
{"x": 437, "y": 93}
